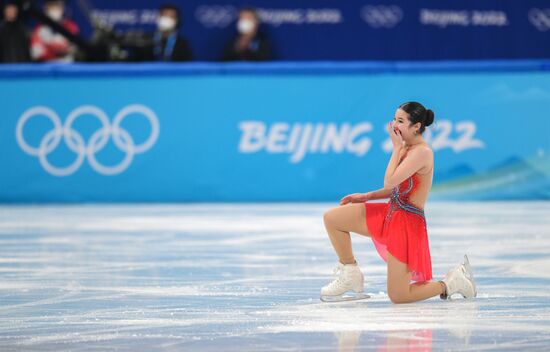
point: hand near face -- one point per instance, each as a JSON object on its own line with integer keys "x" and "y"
{"x": 395, "y": 135}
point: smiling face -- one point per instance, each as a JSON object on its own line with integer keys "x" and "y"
{"x": 402, "y": 123}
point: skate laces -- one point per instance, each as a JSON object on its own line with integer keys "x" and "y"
{"x": 337, "y": 270}
{"x": 338, "y": 273}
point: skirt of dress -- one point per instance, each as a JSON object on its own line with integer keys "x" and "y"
{"x": 403, "y": 234}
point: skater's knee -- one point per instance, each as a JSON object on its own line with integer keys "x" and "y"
{"x": 329, "y": 217}
{"x": 394, "y": 296}
{"x": 398, "y": 297}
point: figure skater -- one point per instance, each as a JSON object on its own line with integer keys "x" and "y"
{"x": 397, "y": 228}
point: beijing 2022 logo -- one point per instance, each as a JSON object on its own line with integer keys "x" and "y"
{"x": 98, "y": 140}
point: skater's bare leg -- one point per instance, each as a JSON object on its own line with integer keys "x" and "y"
{"x": 339, "y": 222}
{"x": 399, "y": 288}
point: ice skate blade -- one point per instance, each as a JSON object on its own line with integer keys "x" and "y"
{"x": 345, "y": 297}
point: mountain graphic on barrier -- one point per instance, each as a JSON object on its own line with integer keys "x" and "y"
{"x": 454, "y": 173}
{"x": 514, "y": 179}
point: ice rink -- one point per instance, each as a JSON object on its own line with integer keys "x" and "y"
{"x": 246, "y": 277}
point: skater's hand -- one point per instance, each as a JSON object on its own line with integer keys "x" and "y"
{"x": 355, "y": 198}
{"x": 395, "y": 135}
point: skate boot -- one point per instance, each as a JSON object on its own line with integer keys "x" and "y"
{"x": 460, "y": 280}
{"x": 348, "y": 278}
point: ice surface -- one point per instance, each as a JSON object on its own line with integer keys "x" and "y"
{"x": 246, "y": 277}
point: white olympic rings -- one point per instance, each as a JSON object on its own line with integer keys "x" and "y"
{"x": 380, "y": 16}
{"x": 98, "y": 140}
{"x": 540, "y": 18}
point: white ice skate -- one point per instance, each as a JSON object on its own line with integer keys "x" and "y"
{"x": 460, "y": 280}
{"x": 348, "y": 278}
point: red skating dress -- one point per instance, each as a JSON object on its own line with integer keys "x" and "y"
{"x": 398, "y": 227}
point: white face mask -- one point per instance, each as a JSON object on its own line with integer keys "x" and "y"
{"x": 246, "y": 26}
{"x": 55, "y": 14}
{"x": 166, "y": 23}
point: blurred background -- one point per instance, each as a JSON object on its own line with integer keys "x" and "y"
{"x": 140, "y": 100}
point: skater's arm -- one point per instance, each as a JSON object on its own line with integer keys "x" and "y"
{"x": 365, "y": 197}
{"x": 416, "y": 160}
{"x": 381, "y": 193}
{"x": 398, "y": 172}
{"x": 397, "y": 142}
{"x": 390, "y": 170}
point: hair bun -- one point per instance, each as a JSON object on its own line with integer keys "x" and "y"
{"x": 429, "y": 117}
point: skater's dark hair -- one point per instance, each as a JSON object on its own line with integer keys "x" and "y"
{"x": 418, "y": 113}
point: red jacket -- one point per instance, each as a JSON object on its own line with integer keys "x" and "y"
{"x": 47, "y": 45}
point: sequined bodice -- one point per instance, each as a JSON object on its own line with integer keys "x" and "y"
{"x": 400, "y": 197}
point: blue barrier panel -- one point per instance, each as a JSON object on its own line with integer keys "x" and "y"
{"x": 274, "y": 132}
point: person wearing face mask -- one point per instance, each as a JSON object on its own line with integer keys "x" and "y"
{"x": 14, "y": 39}
{"x": 168, "y": 45}
{"x": 249, "y": 44}
{"x": 48, "y": 45}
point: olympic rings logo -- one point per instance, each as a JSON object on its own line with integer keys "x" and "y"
{"x": 216, "y": 16}
{"x": 98, "y": 140}
{"x": 540, "y": 18}
{"x": 380, "y": 16}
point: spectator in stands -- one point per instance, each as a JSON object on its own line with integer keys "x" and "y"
{"x": 47, "y": 44}
{"x": 14, "y": 39}
{"x": 249, "y": 44}
{"x": 168, "y": 45}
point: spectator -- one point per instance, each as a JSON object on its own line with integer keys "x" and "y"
{"x": 48, "y": 45}
{"x": 14, "y": 39}
{"x": 249, "y": 44}
{"x": 168, "y": 45}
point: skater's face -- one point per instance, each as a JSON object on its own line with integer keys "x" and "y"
{"x": 402, "y": 124}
